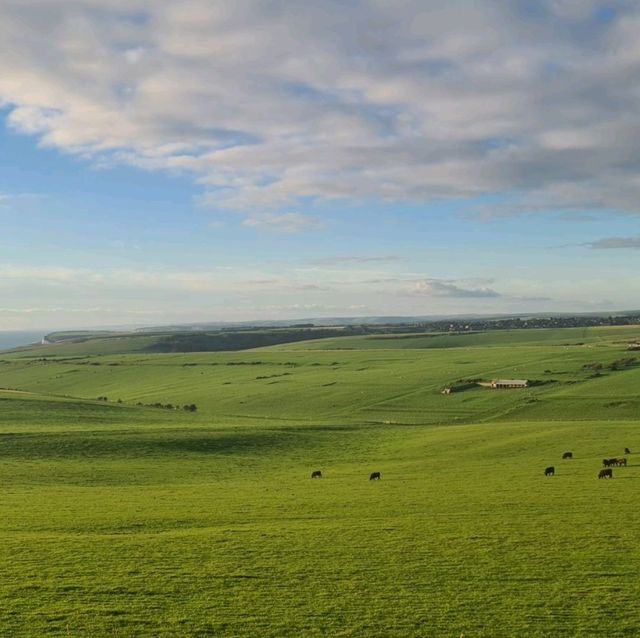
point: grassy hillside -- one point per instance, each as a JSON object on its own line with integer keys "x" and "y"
{"x": 104, "y": 343}
{"x": 22, "y": 412}
{"x": 192, "y": 531}
{"x": 366, "y": 386}
{"x": 126, "y": 520}
{"x": 546, "y": 336}
{"x": 337, "y": 338}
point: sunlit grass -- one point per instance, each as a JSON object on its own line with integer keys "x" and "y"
{"x": 119, "y": 520}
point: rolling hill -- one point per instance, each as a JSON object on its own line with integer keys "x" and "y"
{"x": 123, "y": 519}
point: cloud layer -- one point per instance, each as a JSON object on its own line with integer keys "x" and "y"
{"x": 32, "y": 295}
{"x": 267, "y": 104}
{"x": 446, "y": 288}
{"x": 615, "y": 243}
{"x": 287, "y": 223}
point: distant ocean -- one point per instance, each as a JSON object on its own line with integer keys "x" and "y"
{"x": 10, "y": 339}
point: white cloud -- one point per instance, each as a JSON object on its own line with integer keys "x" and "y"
{"x": 287, "y": 223}
{"x": 447, "y": 288}
{"x": 267, "y": 103}
{"x": 12, "y": 201}
{"x": 356, "y": 260}
{"x": 39, "y": 279}
{"x": 31, "y": 296}
{"x": 615, "y": 243}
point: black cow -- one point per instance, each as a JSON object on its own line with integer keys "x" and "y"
{"x": 605, "y": 474}
{"x": 567, "y": 455}
{"x": 550, "y": 471}
{"x": 627, "y": 450}
{"x": 375, "y": 476}
{"x": 611, "y": 462}
{"x": 607, "y": 462}
{"x": 316, "y": 474}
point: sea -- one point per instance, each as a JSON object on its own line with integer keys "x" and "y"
{"x": 13, "y": 339}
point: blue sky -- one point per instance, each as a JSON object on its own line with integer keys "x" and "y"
{"x": 165, "y": 164}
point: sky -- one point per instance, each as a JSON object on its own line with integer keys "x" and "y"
{"x": 173, "y": 162}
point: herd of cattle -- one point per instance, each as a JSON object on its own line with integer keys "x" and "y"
{"x": 607, "y": 463}
{"x": 549, "y": 471}
{"x": 374, "y": 476}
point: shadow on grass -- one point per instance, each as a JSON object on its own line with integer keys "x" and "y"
{"x": 83, "y": 445}
{"x": 225, "y": 444}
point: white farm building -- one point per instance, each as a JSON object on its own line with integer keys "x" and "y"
{"x": 509, "y": 383}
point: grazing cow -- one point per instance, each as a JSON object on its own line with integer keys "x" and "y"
{"x": 316, "y": 474}
{"x": 627, "y": 450}
{"x": 606, "y": 462}
{"x": 375, "y": 476}
{"x": 620, "y": 462}
{"x": 612, "y": 462}
{"x": 567, "y": 455}
{"x": 550, "y": 471}
{"x": 605, "y": 474}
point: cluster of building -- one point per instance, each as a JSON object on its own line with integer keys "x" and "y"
{"x": 496, "y": 384}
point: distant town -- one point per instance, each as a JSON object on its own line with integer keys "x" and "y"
{"x": 514, "y": 323}
{"x": 465, "y": 325}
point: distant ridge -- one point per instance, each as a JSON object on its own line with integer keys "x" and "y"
{"x": 220, "y": 337}
{"x": 379, "y": 320}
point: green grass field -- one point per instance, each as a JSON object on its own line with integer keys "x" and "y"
{"x": 125, "y": 520}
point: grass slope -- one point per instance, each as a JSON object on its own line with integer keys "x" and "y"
{"x": 119, "y": 520}
{"x": 367, "y": 386}
{"x": 105, "y": 343}
{"x": 196, "y": 532}
{"x": 540, "y": 336}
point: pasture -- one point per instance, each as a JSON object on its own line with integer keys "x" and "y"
{"x": 126, "y": 520}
